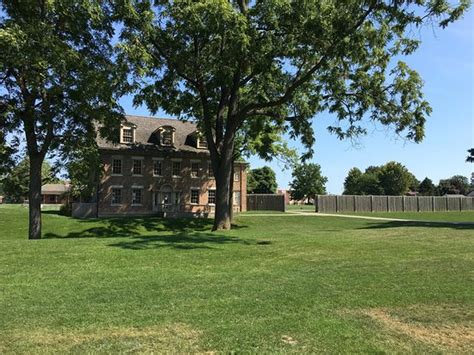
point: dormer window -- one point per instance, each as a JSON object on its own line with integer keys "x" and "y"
{"x": 201, "y": 142}
{"x": 127, "y": 134}
{"x": 166, "y": 136}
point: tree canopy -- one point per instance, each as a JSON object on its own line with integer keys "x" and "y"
{"x": 269, "y": 67}
{"x": 427, "y": 188}
{"x": 393, "y": 178}
{"x": 16, "y": 182}
{"x": 307, "y": 182}
{"x": 261, "y": 181}
{"x": 456, "y": 184}
{"x": 58, "y": 80}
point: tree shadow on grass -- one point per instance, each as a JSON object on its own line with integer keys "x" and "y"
{"x": 154, "y": 232}
{"x": 419, "y": 224}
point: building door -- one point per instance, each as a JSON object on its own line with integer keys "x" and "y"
{"x": 163, "y": 199}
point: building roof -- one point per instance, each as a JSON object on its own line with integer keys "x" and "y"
{"x": 54, "y": 189}
{"x": 145, "y": 127}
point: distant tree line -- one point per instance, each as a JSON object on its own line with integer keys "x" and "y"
{"x": 14, "y": 184}
{"x": 395, "y": 179}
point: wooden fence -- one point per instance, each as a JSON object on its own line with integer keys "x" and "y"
{"x": 266, "y": 202}
{"x": 352, "y": 203}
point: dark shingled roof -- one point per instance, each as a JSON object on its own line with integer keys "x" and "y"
{"x": 145, "y": 139}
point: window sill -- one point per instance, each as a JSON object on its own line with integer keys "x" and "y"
{"x": 137, "y": 175}
{"x": 116, "y": 174}
{"x": 136, "y": 205}
{"x": 177, "y": 176}
{"x": 158, "y": 176}
{"x": 116, "y": 204}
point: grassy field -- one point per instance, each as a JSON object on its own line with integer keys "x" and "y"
{"x": 272, "y": 284}
{"x": 464, "y": 216}
{"x": 305, "y": 208}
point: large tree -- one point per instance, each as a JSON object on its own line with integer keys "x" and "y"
{"x": 231, "y": 64}
{"x": 395, "y": 179}
{"x": 456, "y": 184}
{"x": 56, "y": 80}
{"x": 261, "y": 181}
{"x": 391, "y": 178}
{"x": 307, "y": 182}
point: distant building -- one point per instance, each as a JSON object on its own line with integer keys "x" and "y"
{"x": 54, "y": 193}
{"x": 288, "y": 199}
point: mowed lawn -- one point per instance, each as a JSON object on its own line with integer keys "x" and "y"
{"x": 464, "y": 216}
{"x": 279, "y": 283}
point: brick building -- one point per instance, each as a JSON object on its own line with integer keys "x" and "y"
{"x": 161, "y": 167}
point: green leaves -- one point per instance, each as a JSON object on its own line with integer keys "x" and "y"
{"x": 307, "y": 182}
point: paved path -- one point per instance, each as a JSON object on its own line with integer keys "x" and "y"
{"x": 314, "y": 214}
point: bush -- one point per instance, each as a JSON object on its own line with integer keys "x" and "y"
{"x": 66, "y": 210}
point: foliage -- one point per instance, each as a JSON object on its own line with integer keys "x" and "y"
{"x": 58, "y": 80}
{"x": 83, "y": 169}
{"x": 307, "y": 182}
{"x": 455, "y": 185}
{"x": 66, "y": 210}
{"x": 260, "y": 69}
{"x": 16, "y": 182}
{"x": 351, "y": 182}
{"x": 261, "y": 181}
{"x": 470, "y": 157}
{"x": 393, "y": 178}
{"x": 427, "y": 188}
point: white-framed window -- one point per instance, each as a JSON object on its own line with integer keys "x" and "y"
{"x": 157, "y": 167}
{"x": 201, "y": 142}
{"x": 167, "y": 136}
{"x": 211, "y": 197}
{"x": 137, "y": 168}
{"x": 127, "y": 135}
{"x": 176, "y": 168}
{"x": 117, "y": 166}
{"x": 116, "y": 195}
{"x": 195, "y": 167}
{"x": 237, "y": 176}
{"x": 137, "y": 196}
{"x": 236, "y": 198}
{"x": 195, "y": 196}
{"x": 210, "y": 172}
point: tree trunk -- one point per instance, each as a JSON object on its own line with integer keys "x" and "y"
{"x": 222, "y": 218}
{"x": 34, "y": 197}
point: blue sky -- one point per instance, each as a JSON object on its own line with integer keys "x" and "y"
{"x": 445, "y": 60}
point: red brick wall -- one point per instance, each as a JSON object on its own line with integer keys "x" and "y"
{"x": 150, "y": 183}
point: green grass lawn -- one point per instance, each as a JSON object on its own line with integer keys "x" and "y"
{"x": 464, "y": 216}
{"x": 273, "y": 284}
{"x": 305, "y": 208}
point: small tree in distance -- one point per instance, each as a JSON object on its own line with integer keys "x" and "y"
{"x": 261, "y": 181}
{"x": 308, "y": 182}
{"x": 427, "y": 188}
